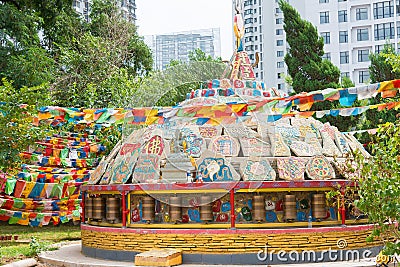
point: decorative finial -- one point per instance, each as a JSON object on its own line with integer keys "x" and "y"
{"x": 238, "y": 25}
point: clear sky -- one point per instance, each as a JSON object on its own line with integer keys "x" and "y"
{"x": 168, "y": 16}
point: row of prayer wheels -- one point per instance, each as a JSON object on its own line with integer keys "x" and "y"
{"x": 318, "y": 207}
{"x": 100, "y": 208}
{"x": 175, "y": 209}
{"x": 109, "y": 208}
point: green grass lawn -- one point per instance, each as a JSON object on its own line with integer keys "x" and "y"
{"x": 32, "y": 240}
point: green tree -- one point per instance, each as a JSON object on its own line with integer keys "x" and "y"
{"x": 16, "y": 130}
{"x": 381, "y": 69}
{"x": 29, "y": 30}
{"x": 304, "y": 58}
{"x": 90, "y": 67}
{"x": 346, "y": 82}
{"x": 379, "y": 186}
{"x": 199, "y": 62}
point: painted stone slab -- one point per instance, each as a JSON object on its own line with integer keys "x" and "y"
{"x": 225, "y": 145}
{"x": 319, "y": 168}
{"x": 257, "y": 169}
{"x": 195, "y": 144}
{"x": 330, "y": 130}
{"x": 147, "y": 168}
{"x": 154, "y": 146}
{"x": 168, "y": 129}
{"x": 213, "y": 167}
{"x": 289, "y": 133}
{"x": 356, "y": 146}
{"x": 342, "y": 143}
{"x": 239, "y": 131}
{"x": 302, "y": 149}
{"x": 255, "y": 147}
{"x": 297, "y": 122}
{"x": 266, "y": 131}
{"x": 96, "y": 175}
{"x": 176, "y": 168}
{"x": 307, "y": 130}
{"x": 279, "y": 147}
{"x": 313, "y": 141}
{"x": 291, "y": 169}
{"x": 123, "y": 166}
{"x": 329, "y": 147}
{"x": 105, "y": 179}
{"x": 210, "y": 131}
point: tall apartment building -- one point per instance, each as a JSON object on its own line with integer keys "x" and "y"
{"x": 351, "y": 29}
{"x": 127, "y": 7}
{"x": 177, "y": 46}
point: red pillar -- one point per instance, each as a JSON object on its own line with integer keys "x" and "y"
{"x": 343, "y": 209}
{"x": 83, "y": 207}
{"x": 124, "y": 210}
{"x": 232, "y": 201}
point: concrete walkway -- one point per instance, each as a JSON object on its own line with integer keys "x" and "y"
{"x": 70, "y": 256}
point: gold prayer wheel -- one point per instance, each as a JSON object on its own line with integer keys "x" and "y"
{"x": 98, "y": 208}
{"x": 206, "y": 213}
{"x": 258, "y": 208}
{"x": 175, "y": 209}
{"x": 113, "y": 209}
{"x": 88, "y": 208}
{"x": 290, "y": 208}
{"x": 318, "y": 206}
{"x": 148, "y": 209}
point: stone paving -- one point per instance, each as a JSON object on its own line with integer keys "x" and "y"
{"x": 70, "y": 256}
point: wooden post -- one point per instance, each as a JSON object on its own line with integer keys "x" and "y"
{"x": 232, "y": 201}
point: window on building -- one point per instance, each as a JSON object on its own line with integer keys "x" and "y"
{"x": 278, "y": 10}
{"x": 363, "y": 55}
{"x": 279, "y": 31}
{"x": 362, "y": 34}
{"x": 379, "y": 48}
{"x": 279, "y": 42}
{"x": 345, "y": 74}
{"x": 280, "y": 75}
{"x": 398, "y": 7}
{"x": 343, "y": 37}
{"x": 324, "y": 17}
{"x": 248, "y": 21}
{"x": 280, "y": 64}
{"x": 248, "y": 29}
{"x": 383, "y": 10}
{"x": 342, "y": 15}
{"x": 362, "y": 13}
{"x": 344, "y": 57}
{"x": 363, "y": 76}
{"x": 279, "y": 21}
{"x": 327, "y": 56}
{"x": 281, "y": 86}
{"x": 384, "y": 31}
{"x": 279, "y": 53}
{"x": 326, "y": 36}
{"x": 342, "y": 0}
{"x": 255, "y": 38}
{"x": 248, "y": 12}
{"x": 324, "y": 1}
